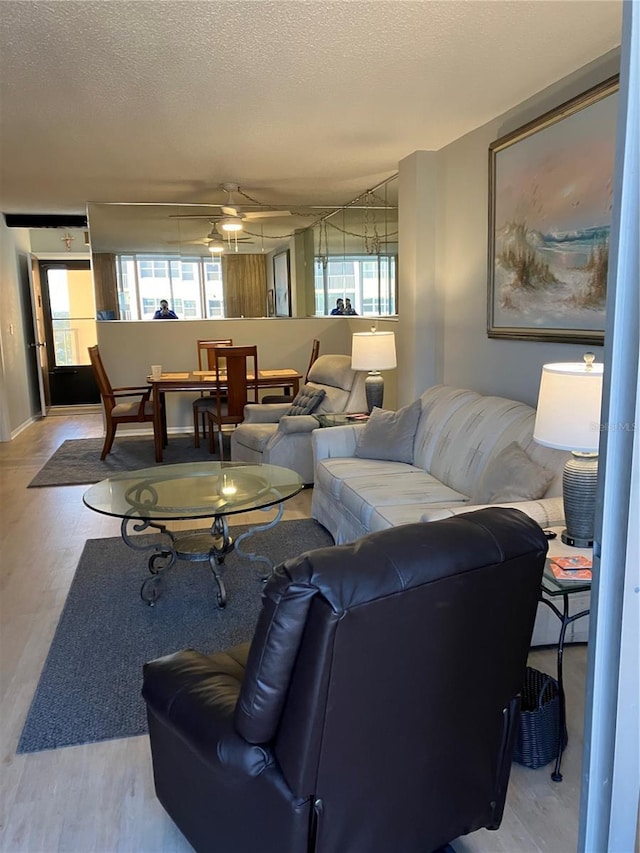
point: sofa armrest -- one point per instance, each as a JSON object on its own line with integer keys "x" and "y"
{"x": 265, "y": 413}
{"x": 548, "y": 512}
{"x": 336, "y": 441}
{"x": 297, "y": 423}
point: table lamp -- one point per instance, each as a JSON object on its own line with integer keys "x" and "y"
{"x": 568, "y": 418}
{"x": 373, "y": 351}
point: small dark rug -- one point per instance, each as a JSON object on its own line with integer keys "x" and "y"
{"x": 77, "y": 461}
{"x": 89, "y": 689}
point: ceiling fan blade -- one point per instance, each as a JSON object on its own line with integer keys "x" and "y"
{"x": 232, "y": 240}
{"x": 196, "y": 215}
{"x": 229, "y": 210}
{"x": 264, "y": 214}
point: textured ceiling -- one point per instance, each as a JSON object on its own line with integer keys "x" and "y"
{"x": 307, "y": 102}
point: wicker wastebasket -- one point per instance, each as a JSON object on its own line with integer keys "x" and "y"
{"x": 538, "y": 731}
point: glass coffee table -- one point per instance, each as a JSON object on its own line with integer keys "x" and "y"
{"x": 148, "y": 498}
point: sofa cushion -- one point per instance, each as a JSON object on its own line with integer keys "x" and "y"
{"x": 465, "y": 437}
{"x": 306, "y": 400}
{"x": 512, "y": 476}
{"x": 361, "y": 496}
{"x": 332, "y": 474}
{"x": 389, "y": 435}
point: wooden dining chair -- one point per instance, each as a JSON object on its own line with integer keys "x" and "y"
{"x": 206, "y": 401}
{"x": 288, "y": 398}
{"x": 236, "y": 375}
{"x": 136, "y": 411}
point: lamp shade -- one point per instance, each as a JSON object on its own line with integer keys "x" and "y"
{"x": 568, "y": 412}
{"x": 373, "y": 351}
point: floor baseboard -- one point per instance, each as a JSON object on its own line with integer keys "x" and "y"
{"x": 81, "y": 409}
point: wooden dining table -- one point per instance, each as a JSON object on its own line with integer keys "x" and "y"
{"x": 202, "y": 380}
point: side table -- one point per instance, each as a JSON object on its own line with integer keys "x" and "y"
{"x": 554, "y": 589}
{"x": 340, "y": 419}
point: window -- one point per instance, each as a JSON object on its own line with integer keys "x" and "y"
{"x": 72, "y": 310}
{"x": 192, "y": 286}
{"x": 369, "y": 281}
{"x": 213, "y": 288}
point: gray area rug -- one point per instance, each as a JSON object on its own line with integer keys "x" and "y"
{"x": 89, "y": 689}
{"x": 77, "y": 460}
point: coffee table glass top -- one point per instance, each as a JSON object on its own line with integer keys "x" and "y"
{"x": 192, "y": 490}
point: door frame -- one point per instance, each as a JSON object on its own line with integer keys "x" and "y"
{"x": 67, "y": 385}
{"x": 37, "y": 313}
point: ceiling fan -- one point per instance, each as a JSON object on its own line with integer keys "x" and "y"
{"x": 232, "y": 215}
{"x": 215, "y": 243}
{"x": 214, "y": 240}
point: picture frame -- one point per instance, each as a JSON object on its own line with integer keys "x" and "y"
{"x": 282, "y": 284}
{"x": 550, "y": 201}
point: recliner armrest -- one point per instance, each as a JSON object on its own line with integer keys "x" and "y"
{"x": 297, "y": 423}
{"x": 196, "y": 695}
{"x": 261, "y": 413}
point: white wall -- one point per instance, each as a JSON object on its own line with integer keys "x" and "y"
{"x": 48, "y": 242}
{"x": 18, "y": 407}
{"x": 472, "y": 360}
{"x": 129, "y": 348}
{"x": 420, "y": 313}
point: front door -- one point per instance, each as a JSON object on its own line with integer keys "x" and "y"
{"x": 70, "y": 329}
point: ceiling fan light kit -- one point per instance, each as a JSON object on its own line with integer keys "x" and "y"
{"x": 231, "y": 224}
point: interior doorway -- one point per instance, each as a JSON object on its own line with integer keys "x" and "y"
{"x": 70, "y": 328}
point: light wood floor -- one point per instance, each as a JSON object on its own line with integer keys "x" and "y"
{"x": 100, "y": 797}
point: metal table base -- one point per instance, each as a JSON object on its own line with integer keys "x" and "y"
{"x": 211, "y": 546}
{"x": 565, "y": 619}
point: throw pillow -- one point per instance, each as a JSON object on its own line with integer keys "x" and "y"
{"x": 306, "y": 400}
{"x": 512, "y": 476}
{"x": 389, "y": 435}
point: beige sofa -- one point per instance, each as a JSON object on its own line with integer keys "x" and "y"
{"x": 459, "y": 434}
{"x": 269, "y": 435}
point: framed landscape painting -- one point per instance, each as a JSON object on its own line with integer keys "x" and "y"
{"x": 550, "y": 201}
{"x": 282, "y": 284}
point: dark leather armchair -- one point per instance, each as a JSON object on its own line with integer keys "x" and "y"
{"x": 362, "y": 718}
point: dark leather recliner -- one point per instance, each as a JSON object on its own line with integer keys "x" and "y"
{"x": 376, "y": 707}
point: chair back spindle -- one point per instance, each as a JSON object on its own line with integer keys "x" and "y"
{"x": 205, "y": 402}
{"x": 315, "y": 352}
{"x": 237, "y": 380}
{"x": 206, "y": 360}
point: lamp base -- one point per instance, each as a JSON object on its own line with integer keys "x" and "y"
{"x": 374, "y": 390}
{"x": 575, "y": 543}
{"x": 579, "y": 486}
